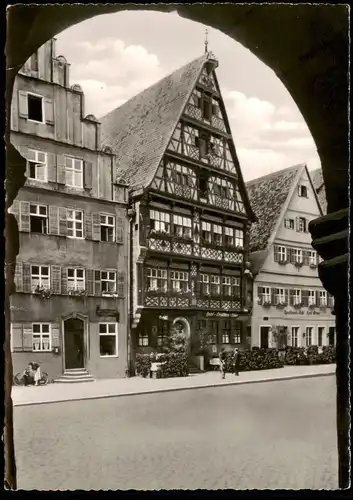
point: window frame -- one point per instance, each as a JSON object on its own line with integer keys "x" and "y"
{"x": 43, "y": 107}
{"x": 182, "y": 279}
{"x": 108, "y": 280}
{"x": 39, "y": 216}
{"x": 323, "y": 294}
{"x": 73, "y": 170}
{"x": 289, "y": 223}
{"x": 109, "y": 334}
{"x": 74, "y": 221}
{"x": 40, "y": 334}
{"x": 184, "y": 225}
{"x": 160, "y": 221}
{"x": 76, "y": 280}
{"x": 160, "y": 279}
{"x": 307, "y": 327}
{"x": 40, "y": 277}
{"x": 38, "y": 162}
{"x": 107, "y": 225}
{"x": 297, "y": 335}
{"x": 303, "y": 189}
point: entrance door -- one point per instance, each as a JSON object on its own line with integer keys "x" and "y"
{"x": 331, "y": 336}
{"x": 74, "y": 343}
{"x": 264, "y": 331}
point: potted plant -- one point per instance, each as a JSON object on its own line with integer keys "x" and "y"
{"x": 267, "y": 303}
{"x": 44, "y": 293}
{"x": 298, "y": 263}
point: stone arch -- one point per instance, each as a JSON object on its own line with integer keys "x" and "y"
{"x": 186, "y": 324}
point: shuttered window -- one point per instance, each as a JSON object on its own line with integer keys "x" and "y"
{"x": 107, "y": 227}
{"x": 37, "y": 165}
{"x": 75, "y": 279}
{"x": 74, "y": 223}
{"x": 35, "y": 108}
{"x": 40, "y": 277}
{"x": 41, "y": 337}
{"x": 108, "y": 282}
{"x": 73, "y": 172}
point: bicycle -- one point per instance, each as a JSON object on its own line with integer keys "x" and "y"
{"x": 18, "y": 379}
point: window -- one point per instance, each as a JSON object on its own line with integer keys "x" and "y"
{"x": 74, "y": 172}
{"x": 35, "y": 108}
{"x": 297, "y": 255}
{"x": 323, "y": 298}
{"x": 37, "y": 165}
{"x": 280, "y": 297}
{"x": 308, "y": 335}
{"x": 294, "y": 336}
{"x": 108, "y": 280}
{"x": 331, "y": 335}
{"x": 229, "y": 236}
{"x": 38, "y": 219}
{"x": 182, "y": 226}
{"x": 231, "y": 286}
{"x": 302, "y": 225}
{"x": 289, "y": 223}
{"x": 206, "y": 232}
{"x": 223, "y": 188}
{"x": 143, "y": 339}
{"x": 231, "y": 332}
{"x": 320, "y": 333}
{"x": 40, "y": 277}
{"x": 157, "y": 280}
{"x": 108, "y": 339}
{"x": 215, "y": 284}
{"x": 205, "y": 284}
{"x": 264, "y": 294}
{"x": 312, "y": 258}
{"x": 217, "y": 234}
{"x": 236, "y": 332}
{"x": 239, "y": 238}
{"x": 75, "y": 279}
{"x": 302, "y": 191}
{"x": 34, "y": 61}
{"x": 107, "y": 223}
{"x": 280, "y": 253}
{"x": 297, "y": 297}
{"x": 311, "y": 297}
{"x": 203, "y": 184}
{"x": 74, "y": 223}
{"x": 160, "y": 221}
{"x": 206, "y": 108}
{"x": 180, "y": 281}
{"x": 182, "y": 175}
{"x": 41, "y": 338}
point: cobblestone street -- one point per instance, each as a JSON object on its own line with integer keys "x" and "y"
{"x": 269, "y": 435}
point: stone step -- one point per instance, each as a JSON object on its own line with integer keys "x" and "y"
{"x": 76, "y": 373}
{"x": 76, "y": 380}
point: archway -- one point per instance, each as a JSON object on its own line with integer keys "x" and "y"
{"x": 74, "y": 343}
{"x": 307, "y": 47}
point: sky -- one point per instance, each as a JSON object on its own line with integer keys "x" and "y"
{"x": 115, "y": 56}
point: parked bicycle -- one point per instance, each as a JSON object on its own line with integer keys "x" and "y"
{"x": 32, "y": 375}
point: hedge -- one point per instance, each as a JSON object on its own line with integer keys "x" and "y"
{"x": 310, "y": 355}
{"x": 255, "y": 359}
{"x": 175, "y": 364}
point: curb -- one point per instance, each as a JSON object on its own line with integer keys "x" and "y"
{"x": 174, "y": 389}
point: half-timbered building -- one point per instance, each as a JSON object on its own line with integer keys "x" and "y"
{"x": 189, "y": 211}
{"x": 69, "y": 312}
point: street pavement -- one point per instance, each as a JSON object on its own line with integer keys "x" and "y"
{"x": 278, "y": 435}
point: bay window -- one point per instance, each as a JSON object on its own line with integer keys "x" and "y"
{"x": 160, "y": 221}
{"x": 217, "y": 234}
{"x": 180, "y": 281}
{"x": 157, "y": 279}
{"x": 206, "y": 232}
{"x": 204, "y": 284}
{"x": 215, "y": 284}
{"x": 182, "y": 226}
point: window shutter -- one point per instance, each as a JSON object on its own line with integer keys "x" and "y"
{"x": 64, "y": 281}
{"x": 96, "y": 227}
{"x": 49, "y": 111}
{"x": 53, "y": 220}
{"x": 24, "y": 216}
{"x": 27, "y": 338}
{"x": 62, "y": 221}
{"x": 55, "y": 334}
{"x": 97, "y": 282}
{"x": 16, "y": 337}
{"x": 26, "y": 273}
{"x": 22, "y": 104}
{"x": 55, "y": 277}
{"x": 273, "y": 298}
{"x": 297, "y": 224}
{"x": 61, "y": 169}
{"x": 51, "y": 166}
{"x": 299, "y": 190}
{"x": 89, "y": 281}
{"x": 286, "y": 295}
{"x": 88, "y": 174}
{"x": 121, "y": 283}
{"x": 305, "y": 297}
{"x": 291, "y": 297}
{"x": 306, "y": 257}
{"x": 317, "y": 297}
{"x": 276, "y": 254}
{"x": 88, "y": 225}
{"x": 18, "y": 277}
{"x": 260, "y": 291}
{"x": 291, "y": 256}
{"x": 120, "y": 230}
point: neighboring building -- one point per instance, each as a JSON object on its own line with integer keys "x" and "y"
{"x": 288, "y": 295}
{"x": 70, "y": 306}
{"x": 189, "y": 210}
{"x": 319, "y": 185}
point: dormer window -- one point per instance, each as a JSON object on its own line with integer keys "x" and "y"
{"x": 302, "y": 191}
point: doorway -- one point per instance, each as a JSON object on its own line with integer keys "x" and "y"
{"x": 264, "y": 333}
{"x": 74, "y": 343}
{"x": 331, "y": 336}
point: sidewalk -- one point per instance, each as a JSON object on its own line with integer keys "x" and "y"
{"x": 59, "y": 392}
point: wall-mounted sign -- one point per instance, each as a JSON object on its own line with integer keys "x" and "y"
{"x": 221, "y": 315}
{"x": 301, "y": 312}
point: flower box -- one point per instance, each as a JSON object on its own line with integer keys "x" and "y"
{"x": 298, "y": 306}
{"x": 266, "y": 303}
{"x": 282, "y": 262}
{"x": 281, "y": 305}
{"x": 44, "y": 293}
{"x": 75, "y": 292}
{"x": 298, "y": 264}
{"x": 313, "y": 266}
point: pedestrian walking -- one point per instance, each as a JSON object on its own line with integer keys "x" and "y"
{"x": 222, "y": 359}
{"x": 236, "y": 359}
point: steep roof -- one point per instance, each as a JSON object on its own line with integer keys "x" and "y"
{"x": 140, "y": 130}
{"x": 267, "y": 196}
{"x": 318, "y": 182}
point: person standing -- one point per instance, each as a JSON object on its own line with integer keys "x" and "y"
{"x": 236, "y": 359}
{"x": 222, "y": 359}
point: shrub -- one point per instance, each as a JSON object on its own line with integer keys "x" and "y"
{"x": 175, "y": 364}
{"x": 309, "y": 356}
{"x": 312, "y": 354}
{"x": 255, "y": 359}
{"x": 143, "y": 365}
{"x": 329, "y": 354}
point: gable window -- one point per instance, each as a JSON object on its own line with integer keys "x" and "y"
{"x": 108, "y": 339}
{"x": 205, "y": 284}
{"x": 180, "y": 281}
{"x": 143, "y": 339}
{"x": 302, "y": 225}
{"x": 323, "y": 298}
{"x": 182, "y": 226}
{"x": 41, "y": 337}
{"x": 75, "y": 279}
{"x": 215, "y": 284}
{"x": 107, "y": 223}
{"x": 217, "y": 234}
{"x": 302, "y": 191}
{"x": 74, "y": 172}
{"x": 289, "y": 223}
{"x": 38, "y": 219}
{"x": 108, "y": 281}
{"x": 74, "y": 223}
{"x": 37, "y": 165}
{"x": 206, "y": 108}
{"x": 160, "y": 221}
{"x": 181, "y": 175}
{"x": 157, "y": 279}
{"x": 40, "y": 277}
{"x": 206, "y": 232}
{"x": 297, "y": 255}
{"x": 35, "y": 108}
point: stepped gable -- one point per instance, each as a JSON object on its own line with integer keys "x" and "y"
{"x": 267, "y": 196}
{"x": 139, "y": 131}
